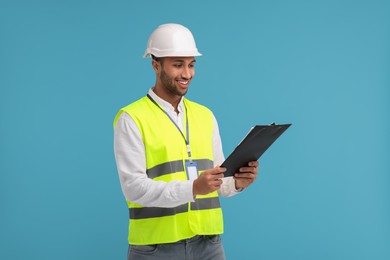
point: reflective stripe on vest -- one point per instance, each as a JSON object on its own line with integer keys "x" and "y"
{"x": 154, "y": 212}
{"x": 176, "y": 166}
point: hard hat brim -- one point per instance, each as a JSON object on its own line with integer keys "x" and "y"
{"x": 161, "y": 54}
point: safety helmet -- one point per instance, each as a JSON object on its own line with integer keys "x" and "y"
{"x": 171, "y": 40}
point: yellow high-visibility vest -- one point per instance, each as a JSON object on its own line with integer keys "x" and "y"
{"x": 166, "y": 154}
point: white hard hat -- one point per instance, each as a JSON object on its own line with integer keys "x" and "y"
{"x": 171, "y": 40}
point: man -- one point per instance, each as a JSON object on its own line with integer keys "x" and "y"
{"x": 168, "y": 151}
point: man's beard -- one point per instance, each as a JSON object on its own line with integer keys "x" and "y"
{"x": 169, "y": 84}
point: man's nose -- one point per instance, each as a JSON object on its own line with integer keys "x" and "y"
{"x": 186, "y": 73}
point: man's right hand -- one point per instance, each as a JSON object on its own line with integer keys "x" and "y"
{"x": 208, "y": 181}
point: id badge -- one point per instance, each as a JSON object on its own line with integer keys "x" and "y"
{"x": 191, "y": 170}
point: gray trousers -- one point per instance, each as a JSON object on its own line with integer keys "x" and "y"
{"x": 198, "y": 247}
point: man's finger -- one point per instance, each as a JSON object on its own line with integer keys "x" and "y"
{"x": 247, "y": 169}
{"x": 218, "y": 170}
{"x": 245, "y": 175}
{"x": 253, "y": 163}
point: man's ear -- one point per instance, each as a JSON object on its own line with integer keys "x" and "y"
{"x": 156, "y": 66}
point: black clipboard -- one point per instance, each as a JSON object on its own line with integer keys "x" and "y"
{"x": 252, "y": 147}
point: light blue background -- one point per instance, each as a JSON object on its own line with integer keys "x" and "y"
{"x": 66, "y": 67}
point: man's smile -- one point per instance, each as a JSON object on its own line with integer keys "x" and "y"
{"x": 183, "y": 83}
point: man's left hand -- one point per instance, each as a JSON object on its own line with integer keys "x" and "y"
{"x": 247, "y": 175}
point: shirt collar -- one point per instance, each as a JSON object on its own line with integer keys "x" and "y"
{"x": 165, "y": 104}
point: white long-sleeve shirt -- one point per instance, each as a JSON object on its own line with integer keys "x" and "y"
{"x": 131, "y": 164}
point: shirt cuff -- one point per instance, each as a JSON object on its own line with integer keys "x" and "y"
{"x": 186, "y": 190}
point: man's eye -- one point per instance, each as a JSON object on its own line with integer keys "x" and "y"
{"x": 177, "y": 65}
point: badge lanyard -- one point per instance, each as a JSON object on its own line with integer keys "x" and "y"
{"x": 187, "y": 138}
{"x": 191, "y": 166}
